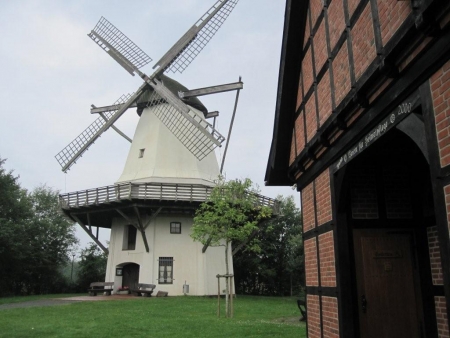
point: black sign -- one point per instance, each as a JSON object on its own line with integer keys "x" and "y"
{"x": 385, "y": 125}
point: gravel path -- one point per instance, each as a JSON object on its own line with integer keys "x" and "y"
{"x": 62, "y": 301}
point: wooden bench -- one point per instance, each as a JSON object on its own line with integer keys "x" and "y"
{"x": 97, "y": 287}
{"x": 145, "y": 290}
{"x": 300, "y": 304}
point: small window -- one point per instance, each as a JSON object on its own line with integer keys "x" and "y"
{"x": 165, "y": 270}
{"x": 129, "y": 238}
{"x": 175, "y": 228}
{"x": 141, "y": 153}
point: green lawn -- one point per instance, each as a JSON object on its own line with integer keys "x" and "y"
{"x": 156, "y": 317}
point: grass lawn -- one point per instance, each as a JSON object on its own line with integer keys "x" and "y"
{"x": 156, "y": 317}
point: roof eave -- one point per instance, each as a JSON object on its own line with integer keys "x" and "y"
{"x": 290, "y": 65}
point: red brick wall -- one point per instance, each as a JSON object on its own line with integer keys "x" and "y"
{"x": 440, "y": 89}
{"x": 336, "y": 21}
{"x": 307, "y": 32}
{"x": 330, "y": 317}
{"x": 392, "y": 14}
{"x": 341, "y": 73}
{"x": 324, "y": 98}
{"x": 323, "y": 198}
{"x": 311, "y": 118}
{"x": 363, "y": 194}
{"x": 316, "y": 7}
{"x": 308, "y": 208}
{"x": 435, "y": 256}
{"x": 307, "y": 70}
{"x": 299, "y": 133}
{"x": 441, "y": 316}
{"x": 312, "y": 303}
{"x": 327, "y": 262}
{"x": 320, "y": 47}
{"x": 311, "y": 270}
{"x": 293, "y": 153}
{"x": 352, "y": 4}
{"x": 363, "y": 41}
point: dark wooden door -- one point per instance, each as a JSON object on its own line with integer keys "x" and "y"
{"x": 130, "y": 276}
{"x": 386, "y": 282}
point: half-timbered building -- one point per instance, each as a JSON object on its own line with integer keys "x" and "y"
{"x": 361, "y": 128}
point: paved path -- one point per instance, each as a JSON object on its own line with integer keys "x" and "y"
{"x": 61, "y": 301}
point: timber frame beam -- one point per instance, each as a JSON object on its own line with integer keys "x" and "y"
{"x": 137, "y": 225}
{"x": 88, "y": 230}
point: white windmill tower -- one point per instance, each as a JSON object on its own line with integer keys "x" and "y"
{"x": 170, "y": 169}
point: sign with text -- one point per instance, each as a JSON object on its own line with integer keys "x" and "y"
{"x": 385, "y": 125}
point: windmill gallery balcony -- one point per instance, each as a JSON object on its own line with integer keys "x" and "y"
{"x": 146, "y": 191}
{"x": 98, "y": 207}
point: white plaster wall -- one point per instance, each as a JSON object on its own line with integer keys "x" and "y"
{"x": 165, "y": 159}
{"x": 198, "y": 269}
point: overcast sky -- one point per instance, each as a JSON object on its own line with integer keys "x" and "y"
{"x": 51, "y": 73}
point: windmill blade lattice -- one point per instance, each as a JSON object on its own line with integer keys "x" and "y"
{"x": 67, "y": 157}
{"x": 205, "y": 28}
{"x": 200, "y": 138}
{"x": 118, "y": 45}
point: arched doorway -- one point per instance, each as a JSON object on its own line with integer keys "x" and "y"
{"x": 386, "y": 208}
{"x": 130, "y": 276}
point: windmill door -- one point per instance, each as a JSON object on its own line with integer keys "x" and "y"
{"x": 130, "y": 276}
{"x": 386, "y": 288}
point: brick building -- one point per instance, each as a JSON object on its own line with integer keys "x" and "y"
{"x": 362, "y": 127}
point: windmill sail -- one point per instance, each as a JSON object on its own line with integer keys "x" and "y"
{"x": 193, "y": 132}
{"x": 119, "y": 46}
{"x": 75, "y": 149}
{"x": 180, "y": 56}
{"x": 197, "y": 135}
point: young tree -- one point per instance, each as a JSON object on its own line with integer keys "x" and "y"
{"x": 231, "y": 213}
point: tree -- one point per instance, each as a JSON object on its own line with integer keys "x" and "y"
{"x": 14, "y": 210}
{"x": 34, "y": 238}
{"x": 50, "y": 236}
{"x": 278, "y": 267}
{"x": 92, "y": 266}
{"x": 231, "y": 213}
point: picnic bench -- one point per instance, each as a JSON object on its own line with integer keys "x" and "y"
{"x": 145, "y": 290}
{"x": 97, "y": 287}
{"x": 302, "y": 307}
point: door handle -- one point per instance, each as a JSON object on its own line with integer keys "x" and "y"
{"x": 364, "y": 303}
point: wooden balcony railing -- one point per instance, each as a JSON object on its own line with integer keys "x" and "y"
{"x": 147, "y": 191}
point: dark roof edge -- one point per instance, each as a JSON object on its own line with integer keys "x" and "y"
{"x": 293, "y": 35}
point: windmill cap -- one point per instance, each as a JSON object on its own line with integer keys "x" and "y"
{"x": 174, "y": 87}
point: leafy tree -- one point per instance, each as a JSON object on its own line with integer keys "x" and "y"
{"x": 50, "y": 236}
{"x": 14, "y": 210}
{"x": 278, "y": 267}
{"x": 91, "y": 267}
{"x": 231, "y": 213}
{"x": 34, "y": 238}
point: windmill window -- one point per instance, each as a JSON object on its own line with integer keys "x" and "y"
{"x": 175, "y": 227}
{"x": 141, "y": 153}
{"x": 129, "y": 238}
{"x": 165, "y": 275}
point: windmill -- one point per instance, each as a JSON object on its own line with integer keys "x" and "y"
{"x": 196, "y": 134}
{"x": 169, "y": 170}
